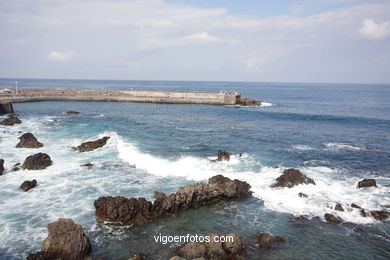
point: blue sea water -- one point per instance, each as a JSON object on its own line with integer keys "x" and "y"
{"x": 322, "y": 129}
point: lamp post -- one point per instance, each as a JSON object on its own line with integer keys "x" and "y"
{"x": 16, "y": 87}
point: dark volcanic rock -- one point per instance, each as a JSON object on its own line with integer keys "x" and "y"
{"x": 223, "y": 156}
{"x": 353, "y": 205}
{"x": 37, "y": 161}
{"x": 380, "y": 215}
{"x": 87, "y": 165}
{"x": 16, "y": 168}
{"x": 339, "y": 207}
{"x": 140, "y": 211}
{"x": 248, "y": 102}
{"x": 92, "y": 145}
{"x": 27, "y": 185}
{"x": 366, "y": 183}
{"x": 66, "y": 240}
{"x": 265, "y": 240}
{"x": 1, "y": 166}
{"x": 302, "y": 218}
{"x": 73, "y": 112}
{"x": 41, "y": 255}
{"x": 234, "y": 249}
{"x": 10, "y": 121}
{"x": 291, "y": 178}
{"x": 302, "y": 195}
{"x": 28, "y": 140}
{"x": 332, "y": 219}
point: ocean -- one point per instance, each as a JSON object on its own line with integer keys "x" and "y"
{"x": 323, "y": 130}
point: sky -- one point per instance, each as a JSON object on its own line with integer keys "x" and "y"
{"x": 323, "y": 41}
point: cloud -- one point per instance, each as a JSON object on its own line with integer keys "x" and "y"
{"x": 60, "y": 55}
{"x": 373, "y": 30}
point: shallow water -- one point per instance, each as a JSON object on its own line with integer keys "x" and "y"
{"x": 323, "y": 130}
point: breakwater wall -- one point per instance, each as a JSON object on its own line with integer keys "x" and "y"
{"x": 31, "y": 95}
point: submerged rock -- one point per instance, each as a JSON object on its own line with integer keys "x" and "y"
{"x": 140, "y": 211}
{"x": 92, "y": 145}
{"x": 366, "y": 183}
{"x": 302, "y": 195}
{"x": 265, "y": 240}
{"x": 332, "y": 219}
{"x": 87, "y": 165}
{"x": 380, "y": 214}
{"x": 1, "y": 166}
{"x": 15, "y": 168}
{"x": 233, "y": 249}
{"x": 73, "y": 112}
{"x": 11, "y": 121}
{"x": 291, "y": 178}
{"x": 338, "y": 207}
{"x": 353, "y": 205}
{"x": 28, "y": 140}
{"x": 37, "y": 161}
{"x": 28, "y": 185}
{"x": 223, "y": 156}
{"x": 302, "y": 218}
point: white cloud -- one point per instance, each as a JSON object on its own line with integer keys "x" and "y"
{"x": 373, "y": 30}
{"x": 60, "y": 55}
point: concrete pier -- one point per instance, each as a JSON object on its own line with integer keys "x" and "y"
{"x": 31, "y": 95}
{"x": 6, "y": 108}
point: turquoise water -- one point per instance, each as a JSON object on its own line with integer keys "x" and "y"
{"x": 305, "y": 126}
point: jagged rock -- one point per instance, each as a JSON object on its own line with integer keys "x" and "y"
{"x": 265, "y": 240}
{"x": 332, "y": 219}
{"x": 235, "y": 249}
{"x": 366, "y": 183}
{"x": 15, "y": 168}
{"x": 1, "y": 166}
{"x": 249, "y": 102}
{"x": 339, "y": 207}
{"x": 28, "y": 140}
{"x": 380, "y": 214}
{"x": 66, "y": 240}
{"x": 28, "y": 185}
{"x": 291, "y": 178}
{"x": 37, "y": 161}
{"x": 363, "y": 213}
{"x": 302, "y": 195}
{"x": 92, "y": 145}
{"x": 353, "y": 205}
{"x": 73, "y": 112}
{"x": 223, "y": 156}
{"x": 11, "y": 121}
{"x": 140, "y": 211}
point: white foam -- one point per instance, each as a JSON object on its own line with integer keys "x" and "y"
{"x": 302, "y": 147}
{"x": 339, "y": 146}
{"x": 266, "y": 104}
{"x": 328, "y": 190}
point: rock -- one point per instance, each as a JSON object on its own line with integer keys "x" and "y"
{"x": 223, "y": 156}
{"x": 338, "y": 207}
{"x": 353, "y": 205}
{"x": 302, "y": 195}
{"x": 92, "y": 145}
{"x": 10, "y": 121}
{"x": 66, "y": 240}
{"x": 41, "y": 255}
{"x": 137, "y": 256}
{"x": 73, "y": 112}
{"x": 87, "y": 165}
{"x": 363, "y": 213}
{"x": 291, "y": 178}
{"x": 234, "y": 249}
{"x": 248, "y": 102}
{"x": 37, "y": 161}
{"x": 28, "y": 140}
{"x": 1, "y": 166}
{"x": 302, "y": 218}
{"x": 332, "y": 219}
{"x": 265, "y": 240}
{"x": 140, "y": 211}
{"x": 366, "y": 183}
{"x": 380, "y": 214}
{"x": 28, "y": 185}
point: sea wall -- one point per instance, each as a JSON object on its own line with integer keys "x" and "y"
{"x": 30, "y": 95}
{"x": 6, "y": 108}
